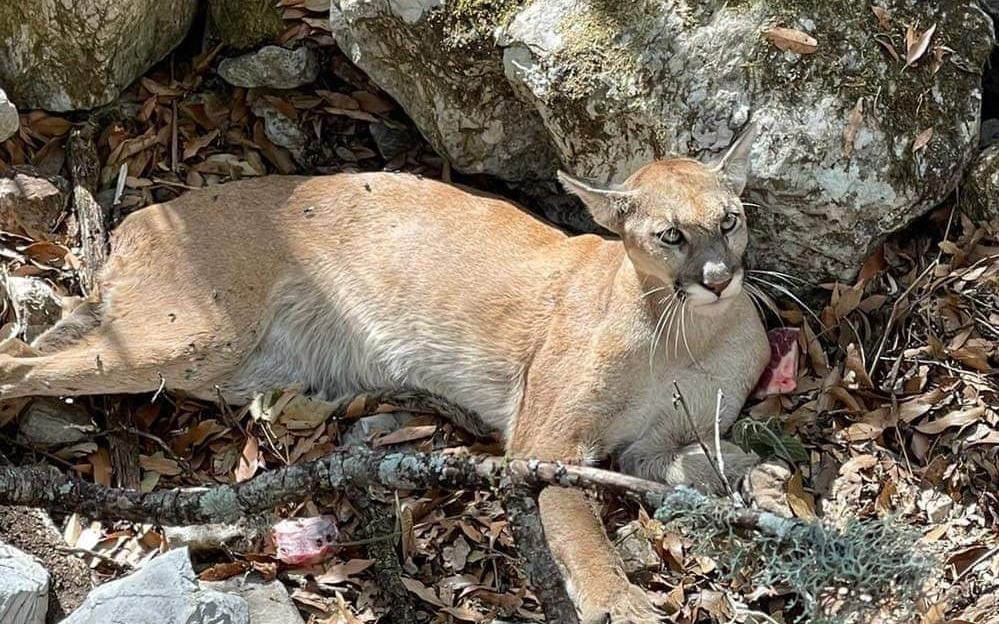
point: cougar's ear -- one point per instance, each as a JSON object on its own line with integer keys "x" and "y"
{"x": 607, "y": 205}
{"x": 733, "y": 168}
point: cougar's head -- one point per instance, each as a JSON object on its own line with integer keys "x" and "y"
{"x": 681, "y": 222}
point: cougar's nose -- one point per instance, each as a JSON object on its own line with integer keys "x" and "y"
{"x": 715, "y": 277}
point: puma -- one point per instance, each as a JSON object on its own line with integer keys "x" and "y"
{"x": 565, "y": 346}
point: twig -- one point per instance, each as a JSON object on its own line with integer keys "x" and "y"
{"x": 718, "y": 452}
{"x": 679, "y": 400}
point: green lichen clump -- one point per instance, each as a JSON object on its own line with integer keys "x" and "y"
{"x": 245, "y": 23}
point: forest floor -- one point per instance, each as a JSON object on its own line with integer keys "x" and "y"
{"x": 896, "y": 411}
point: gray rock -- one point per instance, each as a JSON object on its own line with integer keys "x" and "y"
{"x": 30, "y": 204}
{"x": 9, "y": 121}
{"x": 62, "y": 56}
{"x": 271, "y": 66}
{"x": 390, "y": 141}
{"x": 24, "y": 588}
{"x": 245, "y": 23}
{"x": 633, "y": 544}
{"x": 981, "y": 188}
{"x": 164, "y": 591}
{"x": 36, "y": 305}
{"x": 269, "y": 602}
{"x": 48, "y": 422}
{"x": 517, "y": 88}
{"x": 363, "y": 428}
{"x": 279, "y": 128}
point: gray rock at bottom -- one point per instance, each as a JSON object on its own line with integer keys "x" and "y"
{"x": 24, "y": 588}
{"x": 271, "y": 66}
{"x": 164, "y": 591}
{"x": 269, "y": 602}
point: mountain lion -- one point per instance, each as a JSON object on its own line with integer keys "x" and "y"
{"x": 566, "y": 346}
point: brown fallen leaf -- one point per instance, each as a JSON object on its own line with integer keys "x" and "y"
{"x": 883, "y": 16}
{"x": 791, "y": 40}
{"x": 916, "y": 45}
{"x": 249, "y": 459}
{"x": 802, "y": 503}
{"x": 406, "y": 434}
{"x": 922, "y": 140}
{"x": 222, "y": 571}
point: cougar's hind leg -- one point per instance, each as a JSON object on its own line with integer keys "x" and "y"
{"x": 102, "y": 362}
{"x": 70, "y": 330}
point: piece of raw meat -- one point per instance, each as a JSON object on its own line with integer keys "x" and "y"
{"x": 304, "y": 541}
{"x": 781, "y": 374}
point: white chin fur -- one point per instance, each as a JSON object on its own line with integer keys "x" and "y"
{"x": 701, "y": 297}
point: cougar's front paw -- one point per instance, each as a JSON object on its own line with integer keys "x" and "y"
{"x": 765, "y": 486}
{"x": 630, "y": 606}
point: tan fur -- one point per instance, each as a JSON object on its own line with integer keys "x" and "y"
{"x": 349, "y": 282}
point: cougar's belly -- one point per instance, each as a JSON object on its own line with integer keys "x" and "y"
{"x": 333, "y": 348}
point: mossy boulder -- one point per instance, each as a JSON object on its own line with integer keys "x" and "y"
{"x": 243, "y": 24}
{"x": 602, "y": 87}
{"x": 62, "y": 56}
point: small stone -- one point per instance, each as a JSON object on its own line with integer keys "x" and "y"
{"x": 271, "y": 66}
{"x": 24, "y": 588}
{"x": 269, "y": 602}
{"x": 164, "y": 591}
{"x": 49, "y": 423}
{"x": 279, "y": 128}
{"x": 634, "y": 545}
{"x": 28, "y": 203}
{"x": 9, "y": 121}
{"x": 36, "y": 305}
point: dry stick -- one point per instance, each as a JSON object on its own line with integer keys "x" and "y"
{"x": 679, "y": 400}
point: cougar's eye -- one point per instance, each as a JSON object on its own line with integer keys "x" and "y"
{"x": 729, "y": 222}
{"x": 672, "y": 236}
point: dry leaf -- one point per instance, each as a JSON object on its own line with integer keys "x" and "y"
{"x": 802, "y": 503}
{"x": 916, "y": 46}
{"x": 406, "y": 434}
{"x": 791, "y": 40}
{"x": 954, "y": 419}
{"x": 922, "y": 140}
{"x": 883, "y": 17}
{"x": 249, "y": 459}
{"x": 102, "y": 467}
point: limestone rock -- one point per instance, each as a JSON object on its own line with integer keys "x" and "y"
{"x": 439, "y": 62}
{"x": 9, "y": 121}
{"x": 516, "y": 88}
{"x": 62, "y": 56}
{"x": 981, "y": 189}
{"x": 30, "y": 204}
{"x": 269, "y": 602}
{"x": 271, "y": 66}
{"x": 24, "y": 588}
{"x": 36, "y": 305}
{"x": 164, "y": 591}
{"x": 245, "y": 23}
{"x": 46, "y": 423}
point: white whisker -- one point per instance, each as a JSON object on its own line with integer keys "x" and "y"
{"x": 793, "y": 297}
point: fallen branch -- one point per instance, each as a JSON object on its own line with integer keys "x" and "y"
{"x": 45, "y": 486}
